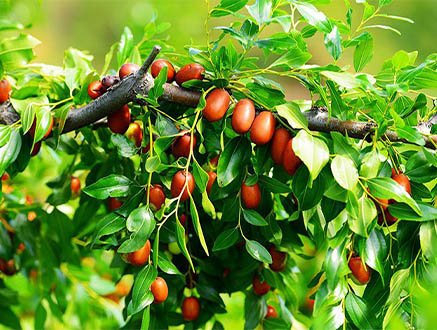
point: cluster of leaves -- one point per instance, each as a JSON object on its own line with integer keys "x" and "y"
{"x": 326, "y": 210}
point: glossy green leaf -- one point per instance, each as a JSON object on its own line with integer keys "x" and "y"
{"x": 344, "y": 172}
{"x": 226, "y": 239}
{"x": 110, "y": 186}
{"x": 258, "y": 252}
{"x": 232, "y": 160}
{"x": 197, "y": 225}
{"x": 141, "y": 295}
{"x": 254, "y": 218}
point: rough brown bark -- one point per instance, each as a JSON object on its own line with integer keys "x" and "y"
{"x": 141, "y": 82}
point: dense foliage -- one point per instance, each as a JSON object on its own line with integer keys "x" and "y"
{"x": 235, "y": 195}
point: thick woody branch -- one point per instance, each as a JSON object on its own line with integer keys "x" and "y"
{"x": 141, "y": 82}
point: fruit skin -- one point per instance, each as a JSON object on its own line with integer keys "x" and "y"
{"x": 213, "y": 162}
{"x": 183, "y": 219}
{"x": 260, "y": 288}
{"x": 212, "y": 176}
{"x": 96, "y": 89}
{"x": 190, "y": 308}
{"x": 8, "y": 267}
{"x": 122, "y": 288}
{"x": 36, "y": 148}
{"x": 159, "y": 290}
{"x": 181, "y": 145}
{"x": 109, "y": 81}
{"x": 279, "y": 259}
{"x": 135, "y": 134}
{"x": 127, "y": 69}
{"x": 190, "y": 72}
{"x": 403, "y": 181}
{"x": 178, "y": 182}
{"x": 158, "y": 65}
{"x": 217, "y": 103}
{"x": 48, "y": 132}
{"x": 251, "y": 195}
{"x": 263, "y": 128}
{"x": 75, "y": 186}
{"x": 279, "y": 143}
{"x": 5, "y": 90}
{"x": 114, "y": 204}
{"x": 119, "y": 121}
{"x": 243, "y": 116}
{"x": 290, "y": 161}
{"x": 5, "y": 176}
{"x": 174, "y": 248}
{"x": 271, "y": 312}
{"x": 139, "y": 257}
{"x": 157, "y": 196}
{"x": 360, "y": 272}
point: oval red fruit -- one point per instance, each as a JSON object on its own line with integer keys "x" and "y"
{"x": 190, "y": 308}
{"x": 263, "y": 128}
{"x": 243, "y": 116}
{"x": 181, "y": 145}
{"x": 189, "y": 72}
{"x": 114, "y": 204}
{"x": 158, "y": 65}
{"x": 251, "y": 195}
{"x": 135, "y": 134}
{"x": 96, "y": 89}
{"x": 127, "y": 69}
{"x": 178, "y": 185}
{"x": 75, "y": 186}
{"x": 271, "y": 312}
{"x": 279, "y": 259}
{"x": 212, "y": 176}
{"x": 279, "y": 143}
{"x": 290, "y": 161}
{"x": 159, "y": 290}
{"x": 157, "y": 196}
{"x": 217, "y": 103}
{"x": 360, "y": 272}
{"x": 119, "y": 121}
{"x": 5, "y": 90}
{"x": 260, "y": 288}
{"x": 141, "y": 256}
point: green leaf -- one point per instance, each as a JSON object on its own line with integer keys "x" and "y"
{"x": 40, "y": 316}
{"x": 335, "y": 266}
{"x": 313, "y": 152}
{"x": 182, "y": 243}
{"x": 428, "y": 239}
{"x": 337, "y": 105}
{"x": 141, "y": 223}
{"x": 9, "y": 319}
{"x": 358, "y": 312}
{"x": 145, "y": 321}
{"x": 344, "y": 172}
{"x": 272, "y": 185}
{"x": 232, "y": 160}
{"x": 384, "y": 2}
{"x": 109, "y": 224}
{"x": 254, "y": 218}
{"x": 403, "y": 212}
{"x": 343, "y": 79}
{"x": 254, "y": 311}
{"x": 363, "y": 53}
{"x": 291, "y": 112}
{"x": 410, "y": 134}
{"x": 333, "y": 43}
{"x": 361, "y": 213}
{"x": 152, "y": 164}
{"x": 165, "y": 264}
{"x": 387, "y": 188}
{"x": 293, "y": 58}
{"x": 227, "y": 7}
{"x": 376, "y": 251}
{"x": 258, "y": 252}
{"x": 125, "y": 46}
{"x": 226, "y": 239}
{"x": 110, "y": 186}
{"x": 141, "y": 295}
{"x": 260, "y": 10}
{"x": 197, "y": 225}
{"x": 314, "y": 16}
{"x": 200, "y": 176}
{"x": 9, "y": 152}
{"x": 125, "y": 147}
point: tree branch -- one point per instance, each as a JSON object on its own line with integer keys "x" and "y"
{"x": 141, "y": 82}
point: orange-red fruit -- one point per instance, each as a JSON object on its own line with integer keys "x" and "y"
{"x": 158, "y": 65}
{"x": 382, "y": 203}
{"x": 181, "y": 145}
{"x": 5, "y": 177}
{"x": 212, "y": 176}
{"x": 96, "y": 89}
{"x": 271, "y": 312}
{"x": 75, "y": 185}
{"x": 279, "y": 259}
{"x": 141, "y": 256}
{"x": 217, "y": 103}
{"x": 127, "y": 69}
{"x": 114, "y": 203}
{"x": 178, "y": 183}
{"x": 5, "y": 90}
{"x": 290, "y": 161}
{"x": 135, "y": 134}
{"x": 189, "y": 72}
{"x": 251, "y": 195}
{"x": 214, "y": 161}
{"x": 243, "y": 116}
{"x": 309, "y": 304}
{"x": 263, "y": 128}
{"x": 402, "y": 180}
{"x": 36, "y": 148}
{"x": 190, "y": 308}
{"x": 360, "y": 272}
{"x": 122, "y": 289}
{"x": 157, "y": 196}
{"x": 389, "y": 219}
{"x": 260, "y": 288}
{"x": 159, "y": 290}
{"x": 48, "y": 132}
{"x": 183, "y": 219}
{"x": 119, "y": 121}
{"x": 279, "y": 143}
